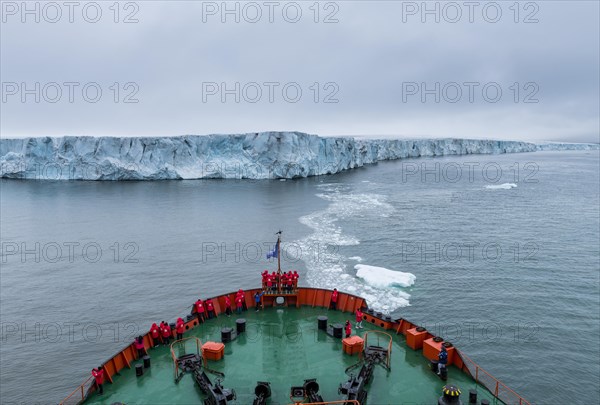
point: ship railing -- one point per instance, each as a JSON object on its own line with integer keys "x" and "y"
{"x": 495, "y": 386}
{"x": 78, "y": 395}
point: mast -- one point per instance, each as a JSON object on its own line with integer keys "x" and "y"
{"x": 278, "y": 250}
{"x": 279, "y": 253}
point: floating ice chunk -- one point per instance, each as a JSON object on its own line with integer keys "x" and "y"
{"x": 356, "y": 258}
{"x": 503, "y": 186}
{"x": 382, "y": 277}
{"x": 327, "y": 232}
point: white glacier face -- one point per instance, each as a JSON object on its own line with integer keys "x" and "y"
{"x": 567, "y": 146}
{"x": 266, "y": 155}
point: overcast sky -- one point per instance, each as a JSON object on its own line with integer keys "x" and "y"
{"x": 371, "y": 68}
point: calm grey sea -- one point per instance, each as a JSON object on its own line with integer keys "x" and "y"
{"x": 505, "y": 250}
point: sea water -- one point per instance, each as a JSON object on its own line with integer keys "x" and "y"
{"x": 498, "y": 254}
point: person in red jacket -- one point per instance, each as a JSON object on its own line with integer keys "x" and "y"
{"x": 155, "y": 333}
{"x": 98, "y": 374}
{"x": 359, "y": 318}
{"x": 269, "y": 283}
{"x": 138, "y": 343}
{"x": 180, "y": 328}
{"x": 334, "y": 298}
{"x": 295, "y": 277}
{"x": 290, "y": 282}
{"x": 166, "y": 333}
{"x": 265, "y": 275}
{"x": 228, "y": 305}
{"x": 275, "y": 280}
{"x": 282, "y": 280}
{"x": 199, "y": 305}
{"x": 348, "y": 329}
{"x": 210, "y": 308}
{"x": 239, "y": 303}
{"x": 241, "y": 294}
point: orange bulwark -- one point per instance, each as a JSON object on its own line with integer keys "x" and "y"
{"x": 353, "y": 345}
{"x": 213, "y": 351}
{"x": 431, "y": 350}
{"x": 415, "y": 338}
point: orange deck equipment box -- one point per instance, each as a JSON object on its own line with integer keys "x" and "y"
{"x": 353, "y": 345}
{"x": 213, "y": 350}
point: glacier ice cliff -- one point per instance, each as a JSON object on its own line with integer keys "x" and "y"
{"x": 266, "y": 155}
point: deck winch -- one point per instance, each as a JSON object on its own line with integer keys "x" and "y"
{"x": 355, "y": 387}
{"x": 311, "y": 389}
{"x": 217, "y": 395}
{"x": 194, "y": 363}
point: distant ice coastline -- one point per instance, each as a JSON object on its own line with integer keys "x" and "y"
{"x": 265, "y": 155}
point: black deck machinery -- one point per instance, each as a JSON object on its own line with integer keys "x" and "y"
{"x": 262, "y": 392}
{"x": 356, "y": 386}
{"x": 215, "y": 393}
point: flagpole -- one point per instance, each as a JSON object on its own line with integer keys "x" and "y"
{"x": 278, "y": 255}
{"x": 279, "y": 261}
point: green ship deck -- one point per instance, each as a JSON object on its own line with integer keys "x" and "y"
{"x": 284, "y": 347}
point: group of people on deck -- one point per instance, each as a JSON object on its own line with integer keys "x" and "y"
{"x": 204, "y": 309}
{"x": 347, "y": 326}
{"x": 288, "y": 281}
{"x": 162, "y": 334}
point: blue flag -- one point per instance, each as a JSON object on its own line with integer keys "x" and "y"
{"x": 272, "y": 253}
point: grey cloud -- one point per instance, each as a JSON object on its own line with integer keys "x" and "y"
{"x": 368, "y": 54}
